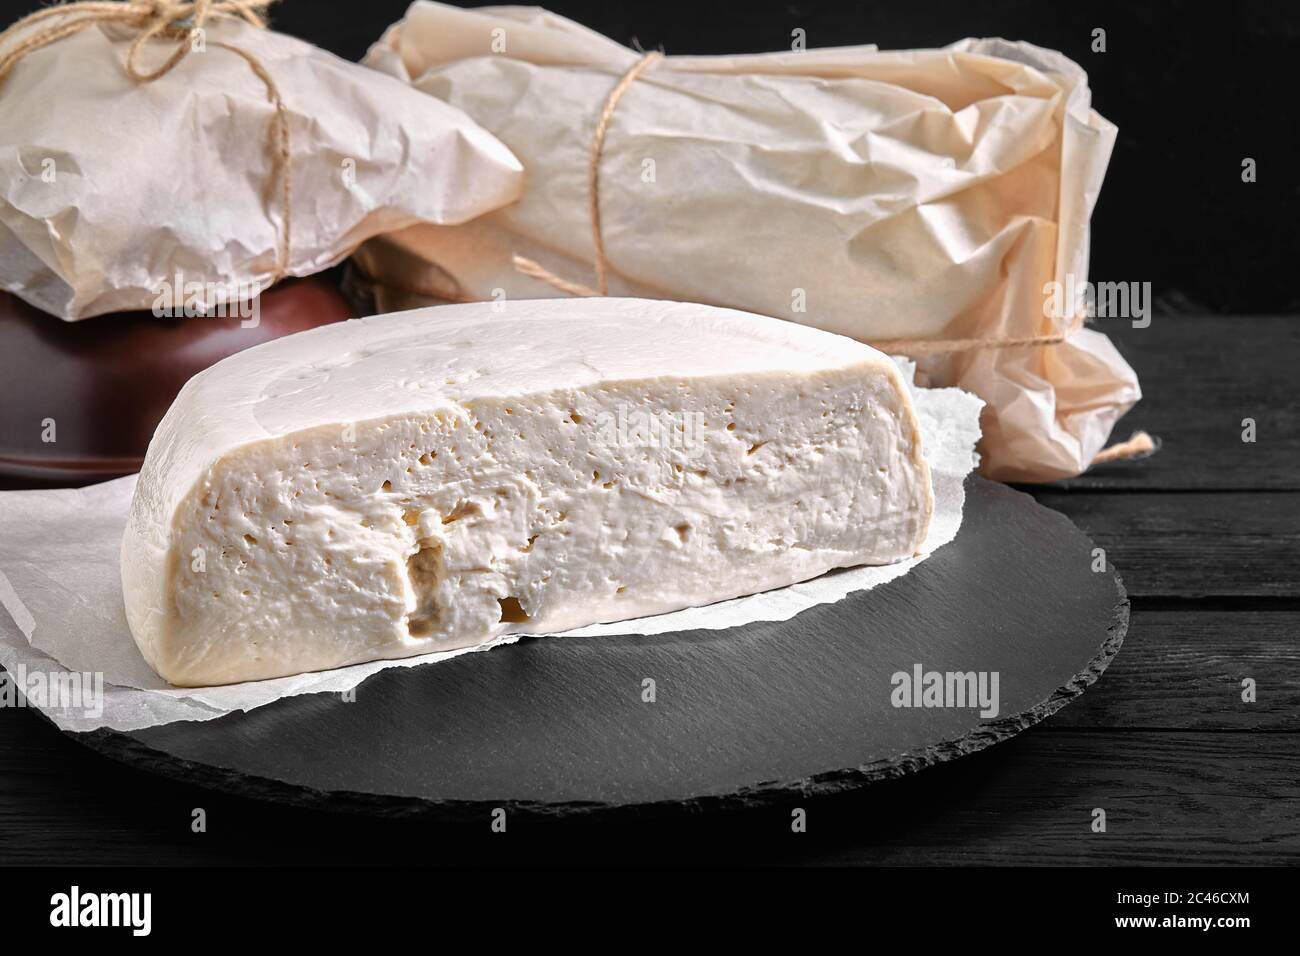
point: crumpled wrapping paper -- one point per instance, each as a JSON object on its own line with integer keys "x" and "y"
{"x": 109, "y": 188}
{"x": 60, "y": 583}
{"x": 902, "y": 194}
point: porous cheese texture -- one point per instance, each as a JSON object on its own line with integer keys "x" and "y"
{"x": 429, "y": 480}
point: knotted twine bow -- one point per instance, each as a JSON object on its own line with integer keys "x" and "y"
{"x": 179, "y": 21}
{"x": 1139, "y": 444}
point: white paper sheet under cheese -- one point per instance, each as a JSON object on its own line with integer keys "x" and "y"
{"x": 60, "y": 583}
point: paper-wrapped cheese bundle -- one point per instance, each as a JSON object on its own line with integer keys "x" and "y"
{"x": 156, "y": 153}
{"x": 409, "y": 483}
{"x": 921, "y": 195}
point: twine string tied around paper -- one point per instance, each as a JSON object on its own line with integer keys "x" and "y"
{"x": 1140, "y": 444}
{"x": 180, "y": 21}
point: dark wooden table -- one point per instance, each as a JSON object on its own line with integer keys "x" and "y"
{"x": 1207, "y": 537}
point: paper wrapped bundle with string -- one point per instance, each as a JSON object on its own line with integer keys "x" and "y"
{"x": 144, "y": 143}
{"x": 920, "y": 201}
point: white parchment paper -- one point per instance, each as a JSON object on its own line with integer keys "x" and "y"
{"x": 66, "y": 626}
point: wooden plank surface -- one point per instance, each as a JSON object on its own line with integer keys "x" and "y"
{"x": 1196, "y": 797}
{"x": 1184, "y": 671}
{"x": 1193, "y": 545}
{"x": 1201, "y": 376}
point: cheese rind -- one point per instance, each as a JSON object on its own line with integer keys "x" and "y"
{"x": 432, "y": 479}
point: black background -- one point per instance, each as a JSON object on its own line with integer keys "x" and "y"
{"x": 1193, "y": 86}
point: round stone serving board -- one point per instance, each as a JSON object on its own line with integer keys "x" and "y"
{"x": 742, "y": 715}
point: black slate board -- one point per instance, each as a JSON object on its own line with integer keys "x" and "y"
{"x": 767, "y": 711}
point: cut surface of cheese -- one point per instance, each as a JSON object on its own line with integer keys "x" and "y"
{"x": 430, "y": 480}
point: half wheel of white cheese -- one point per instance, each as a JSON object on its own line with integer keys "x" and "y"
{"x": 429, "y": 480}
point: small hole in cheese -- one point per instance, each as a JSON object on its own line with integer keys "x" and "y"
{"x": 463, "y": 510}
{"x": 512, "y": 612}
